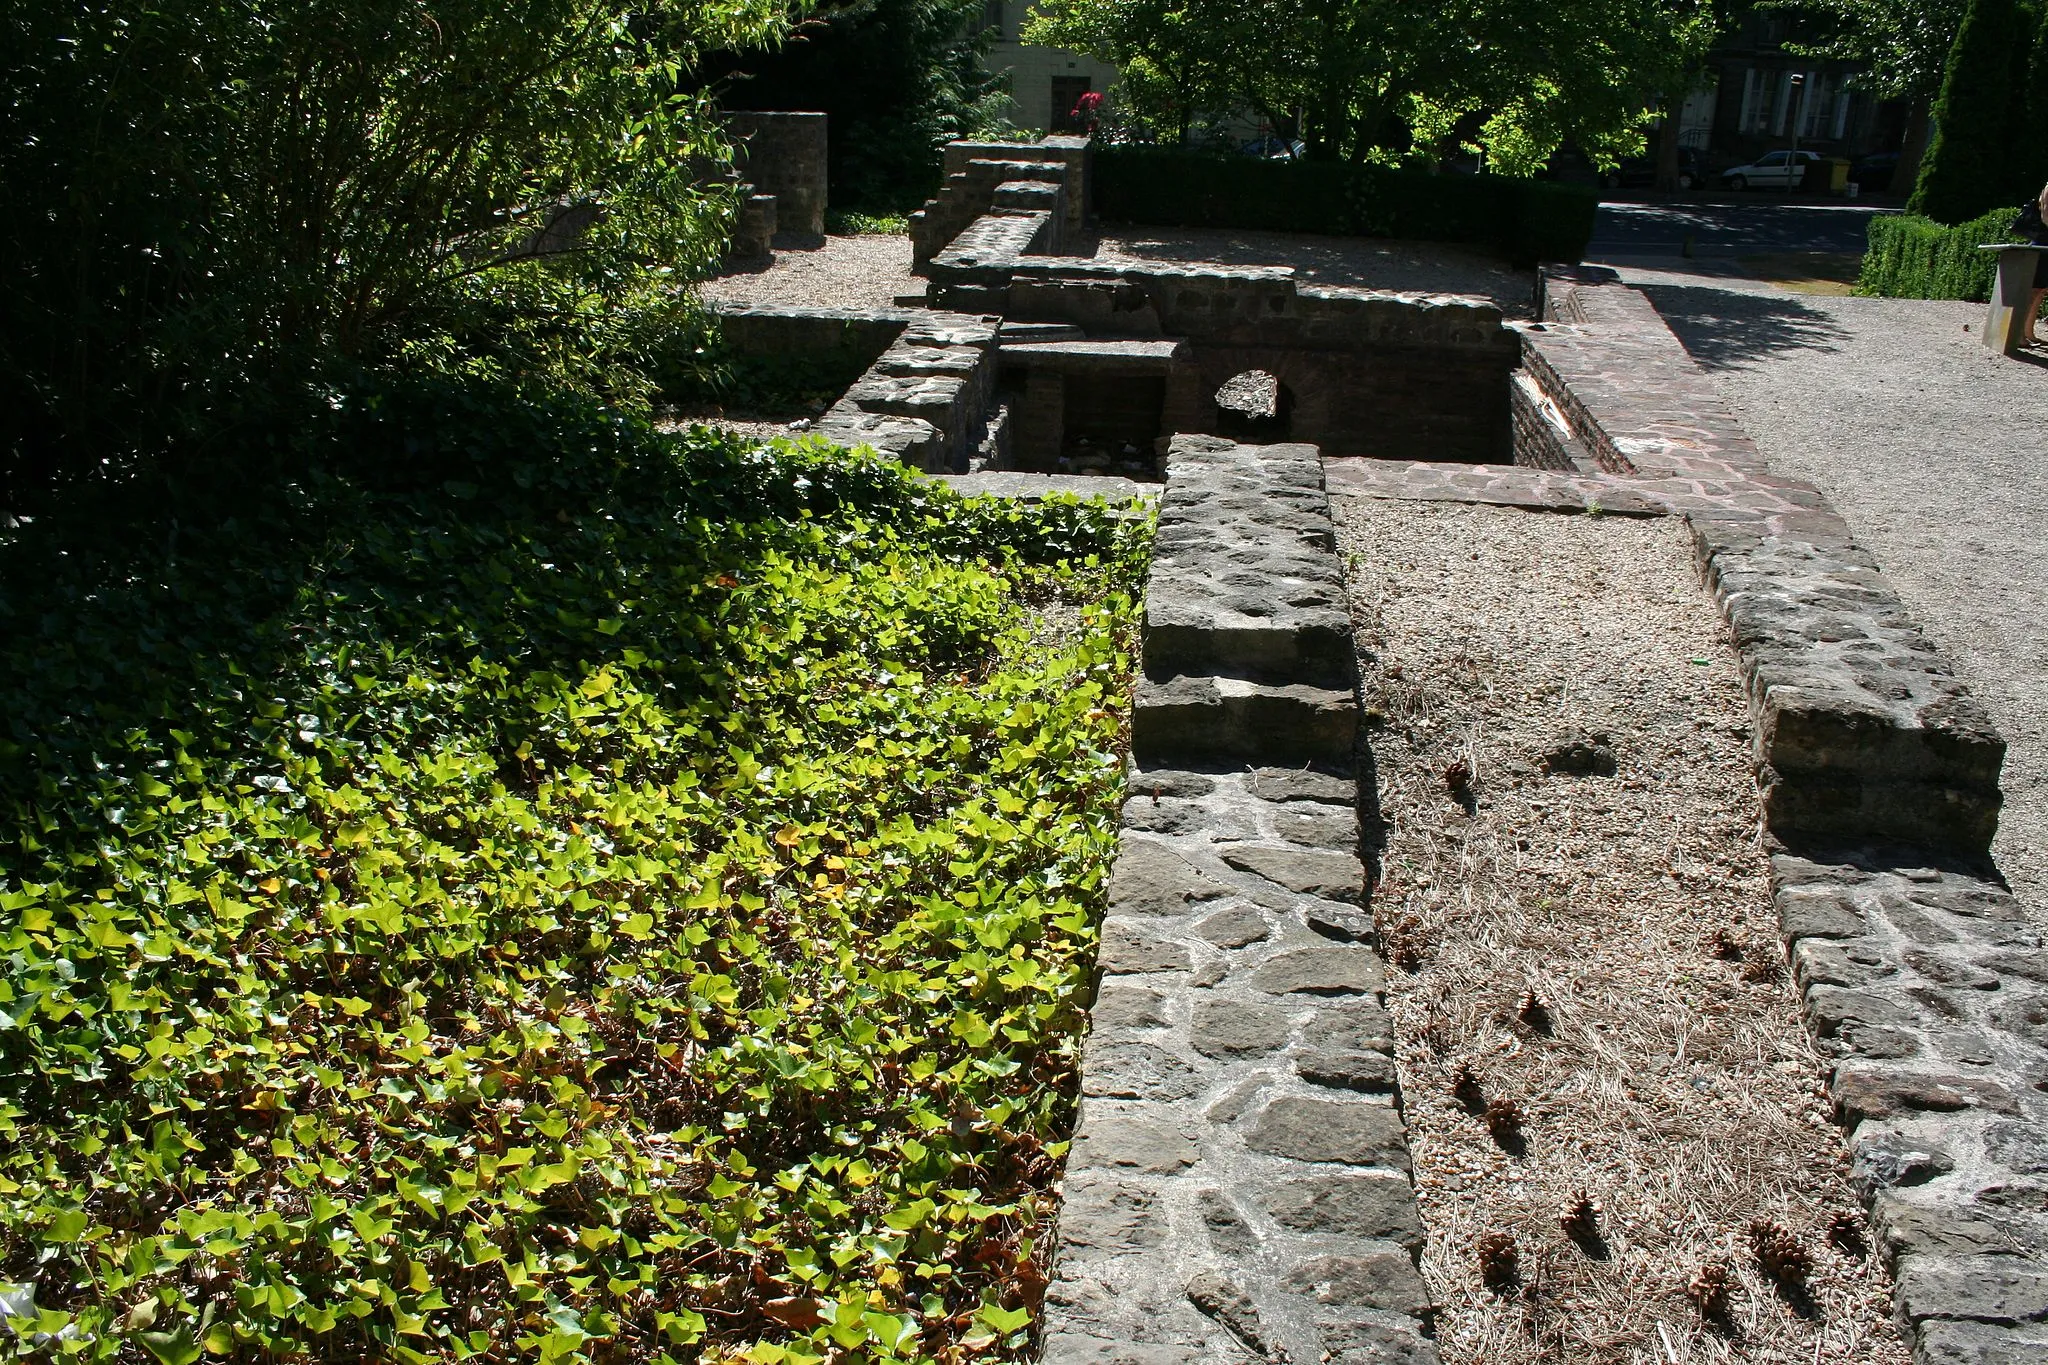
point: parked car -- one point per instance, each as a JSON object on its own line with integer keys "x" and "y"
{"x": 1783, "y": 170}
{"x": 1638, "y": 171}
{"x": 1874, "y": 173}
{"x": 1275, "y": 149}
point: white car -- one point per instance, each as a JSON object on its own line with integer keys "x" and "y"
{"x": 1782, "y": 169}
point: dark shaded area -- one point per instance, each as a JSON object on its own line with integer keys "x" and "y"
{"x": 1665, "y": 228}
{"x": 1725, "y": 328}
{"x": 897, "y": 78}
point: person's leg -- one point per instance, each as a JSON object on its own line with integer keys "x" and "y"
{"x": 2033, "y": 315}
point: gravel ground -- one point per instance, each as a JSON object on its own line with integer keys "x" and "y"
{"x": 1666, "y": 1074}
{"x": 1936, "y": 450}
{"x": 867, "y": 271}
{"x": 1368, "y": 262}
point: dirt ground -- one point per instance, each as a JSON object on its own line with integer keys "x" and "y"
{"x": 1662, "y": 1071}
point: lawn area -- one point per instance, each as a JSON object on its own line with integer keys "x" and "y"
{"x": 545, "y": 890}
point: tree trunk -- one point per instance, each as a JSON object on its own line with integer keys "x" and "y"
{"x": 1666, "y": 180}
{"x": 1914, "y": 147}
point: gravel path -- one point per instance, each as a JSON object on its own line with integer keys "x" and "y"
{"x": 1667, "y": 1075}
{"x": 1936, "y": 450}
{"x": 867, "y": 271}
{"x": 1367, "y": 262}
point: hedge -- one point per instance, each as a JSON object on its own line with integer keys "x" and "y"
{"x": 1525, "y": 220}
{"x": 1911, "y": 257}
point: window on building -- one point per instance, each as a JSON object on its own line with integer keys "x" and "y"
{"x": 992, "y": 17}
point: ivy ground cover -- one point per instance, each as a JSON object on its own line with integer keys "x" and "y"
{"x": 572, "y": 894}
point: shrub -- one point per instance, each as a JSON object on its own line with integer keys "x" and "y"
{"x": 542, "y": 891}
{"x": 1975, "y": 160}
{"x": 1911, "y": 257}
{"x": 1524, "y": 220}
{"x": 234, "y": 201}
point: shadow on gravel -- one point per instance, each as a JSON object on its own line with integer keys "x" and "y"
{"x": 1724, "y": 328}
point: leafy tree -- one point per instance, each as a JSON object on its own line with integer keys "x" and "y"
{"x": 1971, "y": 164}
{"x": 227, "y": 201}
{"x": 1902, "y": 47}
{"x": 898, "y": 78}
{"x": 1376, "y": 80}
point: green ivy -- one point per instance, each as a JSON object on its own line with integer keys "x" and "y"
{"x": 632, "y": 902}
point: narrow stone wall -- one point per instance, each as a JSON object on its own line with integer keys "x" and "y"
{"x": 1239, "y": 1182}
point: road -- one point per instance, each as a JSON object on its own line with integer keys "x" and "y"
{"x": 1729, "y": 225}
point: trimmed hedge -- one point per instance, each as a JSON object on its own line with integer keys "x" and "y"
{"x": 1911, "y": 257}
{"x": 1525, "y": 220}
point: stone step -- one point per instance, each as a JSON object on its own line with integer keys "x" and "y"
{"x": 1018, "y": 333}
{"x": 1184, "y": 719}
{"x": 1112, "y": 356}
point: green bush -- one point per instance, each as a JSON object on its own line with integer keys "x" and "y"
{"x": 1524, "y": 220}
{"x": 1983, "y": 153}
{"x": 1911, "y": 257}
{"x": 544, "y": 891}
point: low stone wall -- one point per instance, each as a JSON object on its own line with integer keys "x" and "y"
{"x": 1239, "y": 1182}
{"x": 976, "y": 188}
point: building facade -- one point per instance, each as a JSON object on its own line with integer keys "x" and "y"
{"x": 1045, "y": 82}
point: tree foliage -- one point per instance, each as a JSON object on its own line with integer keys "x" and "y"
{"x": 219, "y": 201}
{"x": 1377, "y": 80}
{"x": 898, "y": 80}
{"x": 1900, "y": 47}
{"x": 1979, "y": 158}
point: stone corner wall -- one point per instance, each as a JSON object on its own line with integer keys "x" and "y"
{"x": 1863, "y": 729}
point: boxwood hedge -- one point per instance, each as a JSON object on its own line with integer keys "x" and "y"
{"x": 1911, "y": 257}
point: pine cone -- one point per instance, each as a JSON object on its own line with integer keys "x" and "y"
{"x": 1534, "y": 1012}
{"x": 1500, "y": 1260}
{"x": 1504, "y": 1121}
{"x": 1581, "y": 1222}
{"x": 1709, "y": 1291}
{"x": 1465, "y": 1088}
{"x": 1779, "y": 1254}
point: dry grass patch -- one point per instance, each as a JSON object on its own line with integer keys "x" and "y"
{"x": 1620, "y": 1135}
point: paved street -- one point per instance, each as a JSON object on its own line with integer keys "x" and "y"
{"x": 1730, "y": 224}
{"x": 1935, "y": 449}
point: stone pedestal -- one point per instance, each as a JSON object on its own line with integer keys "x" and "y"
{"x": 2012, "y": 294}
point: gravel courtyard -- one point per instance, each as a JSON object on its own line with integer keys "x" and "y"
{"x": 1936, "y": 450}
{"x": 870, "y": 271}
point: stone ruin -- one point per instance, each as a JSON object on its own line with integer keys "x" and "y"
{"x": 1240, "y": 1181}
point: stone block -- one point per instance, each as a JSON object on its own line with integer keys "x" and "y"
{"x": 1151, "y": 879}
{"x": 1991, "y": 1289}
{"x": 1312, "y": 872}
{"x": 1209, "y": 717}
{"x": 1225, "y": 1027}
{"x": 1134, "y": 1141}
{"x": 1355, "y": 1204}
{"x": 1354, "y": 1133}
{"x": 1385, "y": 1280}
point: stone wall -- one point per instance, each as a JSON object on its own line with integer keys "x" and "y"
{"x": 1370, "y": 373}
{"x": 784, "y": 154}
{"x": 1239, "y": 1181}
